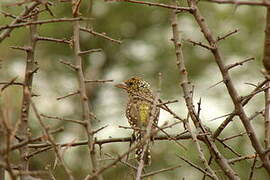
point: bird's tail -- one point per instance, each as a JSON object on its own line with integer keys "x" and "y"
{"x": 146, "y": 156}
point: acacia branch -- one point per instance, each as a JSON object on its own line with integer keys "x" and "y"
{"x": 236, "y": 2}
{"x": 82, "y": 88}
{"x": 27, "y": 10}
{"x": 230, "y": 87}
{"x": 102, "y": 35}
{"x": 187, "y": 90}
{"x": 12, "y": 26}
{"x": 266, "y": 63}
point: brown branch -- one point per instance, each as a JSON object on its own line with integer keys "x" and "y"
{"x": 83, "y": 95}
{"x": 160, "y": 171}
{"x": 266, "y": 63}
{"x": 239, "y": 63}
{"x": 28, "y": 141}
{"x": 200, "y": 153}
{"x": 231, "y": 89}
{"x": 155, "y": 4}
{"x": 26, "y": 48}
{"x": 27, "y": 10}
{"x": 40, "y": 38}
{"x": 11, "y": 82}
{"x": 27, "y": 89}
{"x": 70, "y": 65}
{"x": 249, "y": 3}
{"x": 52, "y": 141}
{"x": 68, "y": 95}
{"x": 251, "y": 156}
{"x": 232, "y": 137}
{"x": 195, "y": 166}
{"x": 98, "y": 81}
{"x": 233, "y": 114}
{"x": 194, "y": 43}
{"x": 187, "y": 90}
{"x": 82, "y": 53}
{"x": 12, "y": 26}
{"x": 252, "y": 168}
{"x": 219, "y": 38}
{"x": 102, "y": 35}
{"x": 63, "y": 119}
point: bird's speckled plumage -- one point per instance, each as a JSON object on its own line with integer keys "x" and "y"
{"x": 138, "y": 111}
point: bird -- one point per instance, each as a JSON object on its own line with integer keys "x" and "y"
{"x": 139, "y": 108}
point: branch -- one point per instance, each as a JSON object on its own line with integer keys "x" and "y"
{"x": 98, "y": 81}
{"x": 239, "y": 63}
{"x": 236, "y": 2}
{"x": 82, "y": 53}
{"x": 227, "y": 35}
{"x": 231, "y": 89}
{"x": 187, "y": 90}
{"x": 12, "y": 26}
{"x": 68, "y": 95}
{"x": 155, "y": 4}
{"x": 51, "y": 140}
{"x": 27, "y": 10}
{"x": 102, "y": 35}
{"x": 40, "y": 38}
{"x": 84, "y": 99}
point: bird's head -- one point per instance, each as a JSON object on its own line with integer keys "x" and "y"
{"x": 135, "y": 85}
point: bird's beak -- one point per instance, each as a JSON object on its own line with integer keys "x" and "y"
{"x": 121, "y": 85}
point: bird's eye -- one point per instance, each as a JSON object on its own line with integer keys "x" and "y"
{"x": 130, "y": 83}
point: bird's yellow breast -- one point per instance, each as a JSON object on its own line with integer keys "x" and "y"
{"x": 144, "y": 113}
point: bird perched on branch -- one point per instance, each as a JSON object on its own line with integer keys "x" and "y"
{"x": 140, "y": 111}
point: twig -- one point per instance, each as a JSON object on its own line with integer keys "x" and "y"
{"x": 98, "y": 81}
{"x": 68, "y": 95}
{"x": 219, "y": 38}
{"x": 9, "y": 83}
{"x": 252, "y": 168}
{"x": 160, "y": 171}
{"x": 102, "y": 35}
{"x": 26, "y": 49}
{"x": 239, "y": 63}
{"x": 82, "y": 53}
{"x": 40, "y": 38}
{"x": 12, "y": 26}
{"x": 63, "y": 119}
{"x": 70, "y": 65}
{"x": 155, "y": 4}
{"x": 234, "y": 136}
{"x": 252, "y": 156}
{"x": 195, "y": 166}
{"x": 194, "y": 43}
{"x": 249, "y": 3}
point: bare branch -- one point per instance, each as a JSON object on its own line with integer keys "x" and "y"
{"x": 249, "y": 3}
{"x": 40, "y": 38}
{"x": 98, "y": 81}
{"x": 155, "y": 4}
{"x": 219, "y": 38}
{"x": 12, "y": 26}
{"x": 82, "y": 53}
{"x": 102, "y": 35}
{"x": 68, "y": 95}
{"x": 240, "y": 63}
